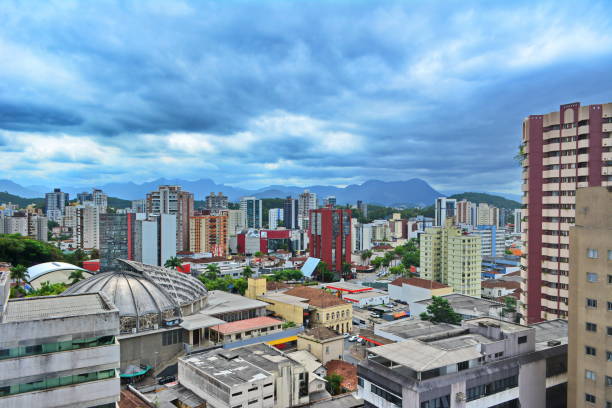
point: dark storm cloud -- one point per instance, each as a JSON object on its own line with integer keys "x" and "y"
{"x": 256, "y": 92}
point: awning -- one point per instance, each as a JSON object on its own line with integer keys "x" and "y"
{"x": 399, "y": 315}
{"x": 199, "y": 321}
{"x": 283, "y": 340}
{"x": 134, "y": 371}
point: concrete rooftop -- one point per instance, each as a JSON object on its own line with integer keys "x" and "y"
{"x": 53, "y": 307}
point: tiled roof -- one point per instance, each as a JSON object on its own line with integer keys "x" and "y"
{"x": 316, "y": 297}
{"x": 348, "y": 372}
{"x": 321, "y": 333}
{"x": 248, "y": 324}
{"x": 496, "y": 283}
{"x": 273, "y": 285}
{"x": 419, "y": 282}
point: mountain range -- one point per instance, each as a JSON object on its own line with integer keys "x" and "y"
{"x": 413, "y": 192}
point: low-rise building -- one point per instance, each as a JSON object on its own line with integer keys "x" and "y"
{"x": 468, "y": 307}
{"x": 58, "y": 351}
{"x": 497, "y": 288}
{"x": 484, "y": 363}
{"x": 414, "y": 289}
{"x": 254, "y": 376}
{"x": 369, "y": 298}
{"x": 322, "y": 343}
{"x": 244, "y": 329}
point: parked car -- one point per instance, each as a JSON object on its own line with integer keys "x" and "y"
{"x": 352, "y": 338}
{"x": 346, "y": 335}
{"x": 165, "y": 380}
{"x": 360, "y": 340}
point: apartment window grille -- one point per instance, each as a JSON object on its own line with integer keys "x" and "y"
{"x": 591, "y": 302}
{"x": 591, "y": 351}
{"x": 589, "y": 398}
{"x": 591, "y": 277}
{"x": 592, "y": 253}
{"x": 590, "y": 375}
{"x": 592, "y": 327}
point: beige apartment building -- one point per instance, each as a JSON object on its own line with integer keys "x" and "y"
{"x": 452, "y": 258}
{"x": 208, "y": 233}
{"x": 590, "y": 295}
{"x": 562, "y": 152}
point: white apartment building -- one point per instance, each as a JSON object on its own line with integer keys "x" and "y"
{"x": 306, "y": 202}
{"x": 251, "y": 212}
{"x": 444, "y": 208}
{"x": 274, "y": 216}
{"x": 55, "y": 203}
{"x": 14, "y": 225}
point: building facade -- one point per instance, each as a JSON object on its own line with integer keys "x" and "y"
{"x": 216, "y": 202}
{"x": 274, "y": 216}
{"x": 209, "y": 234}
{"x": 452, "y": 258}
{"x": 562, "y": 152}
{"x": 487, "y": 215}
{"x": 444, "y": 208}
{"x": 590, "y": 300}
{"x": 330, "y": 236}
{"x": 173, "y": 200}
{"x": 306, "y": 202}
{"x": 518, "y": 220}
{"x": 251, "y": 212}
{"x": 290, "y": 213}
{"x": 492, "y": 240}
{"x": 55, "y": 203}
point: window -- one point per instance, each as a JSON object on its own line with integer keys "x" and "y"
{"x": 464, "y": 365}
{"x": 591, "y": 277}
{"x": 442, "y": 402}
{"x": 592, "y": 327}
{"x": 253, "y": 402}
{"x": 608, "y": 381}
{"x": 609, "y": 254}
{"x": 609, "y": 278}
{"x": 360, "y": 381}
{"x": 589, "y": 398}
{"x": 253, "y": 389}
{"x": 394, "y": 399}
{"x": 591, "y": 302}
{"x": 592, "y": 253}
{"x": 609, "y": 310}
{"x": 591, "y": 351}
{"x": 590, "y": 375}
{"x": 522, "y": 339}
{"x": 609, "y": 330}
{"x": 237, "y": 393}
{"x": 609, "y": 355}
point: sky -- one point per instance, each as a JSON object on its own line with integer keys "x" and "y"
{"x": 253, "y": 93}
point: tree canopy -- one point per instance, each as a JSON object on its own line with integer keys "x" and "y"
{"x": 19, "y": 250}
{"x": 440, "y": 311}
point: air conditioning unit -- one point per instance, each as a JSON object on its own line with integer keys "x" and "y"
{"x": 133, "y": 330}
{"x": 460, "y": 397}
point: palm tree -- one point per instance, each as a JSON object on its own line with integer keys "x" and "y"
{"x": 173, "y": 262}
{"x": 365, "y": 255}
{"x": 76, "y": 276}
{"x": 20, "y": 274}
{"x": 212, "y": 271}
{"x": 247, "y": 272}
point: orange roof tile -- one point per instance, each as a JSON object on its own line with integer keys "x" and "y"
{"x": 348, "y": 372}
{"x": 316, "y": 297}
{"x": 248, "y": 324}
{"x": 419, "y": 282}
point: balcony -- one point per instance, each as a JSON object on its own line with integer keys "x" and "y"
{"x": 583, "y": 143}
{"x": 551, "y": 147}
{"x": 582, "y": 171}
{"x": 583, "y": 129}
{"x": 550, "y": 160}
{"x": 606, "y": 127}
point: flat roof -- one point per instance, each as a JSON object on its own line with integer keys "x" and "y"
{"x": 505, "y": 326}
{"x": 549, "y": 331}
{"x": 461, "y": 302}
{"x": 364, "y": 295}
{"x": 224, "y": 302}
{"x": 199, "y": 321}
{"x": 408, "y": 328}
{"x": 240, "y": 326}
{"x": 289, "y": 299}
{"x": 53, "y": 307}
{"x": 347, "y": 287}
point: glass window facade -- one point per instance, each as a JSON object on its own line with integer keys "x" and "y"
{"x": 55, "y": 382}
{"x": 75, "y": 344}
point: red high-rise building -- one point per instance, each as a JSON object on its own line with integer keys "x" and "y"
{"x": 330, "y": 236}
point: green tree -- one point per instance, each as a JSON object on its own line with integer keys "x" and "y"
{"x": 212, "y": 271}
{"x": 247, "y": 271}
{"x": 94, "y": 254}
{"x": 346, "y": 269}
{"x": 365, "y": 255}
{"x": 25, "y": 251}
{"x": 19, "y": 274}
{"x": 323, "y": 272}
{"x": 76, "y": 258}
{"x": 377, "y": 262}
{"x": 509, "y": 305}
{"x": 173, "y": 262}
{"x": 289, "y": 324}
{"x": 397, "y": 270}
{"x": 76, "y": 276}
{"x": 334, "y": 383}
{"x": 48, "y": 289}
{"x": 411, "y": 259}
{"x": 440, "y": 311}
{"x": 240, "y": 285}
{"x": 258, "y": 254}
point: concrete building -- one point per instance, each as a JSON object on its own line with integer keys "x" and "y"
{"x": 234, "y": 222}
{"x": 14, "y": 225}
{"x": 518, "y": 217}
{"x": 418, "y": 225}
{"x": 323, "y": 343}
{"x": 484, "y": 363}
{"x": 361, "y": 235}
{"x": 590, "y": 317}
{"x": 173, "y": 200}
{"x": 381, "y": 231}
{"x": 563, "y": 151}
{"x": 290, "y": 213}
{"x": 216, "y": 202}
{"x": 469, "y": 307}
{"x": 86, "y": 229}
{"x": 139, "y": 206}
{"x": 55, "y": 203}
{"x": 487, "y": 215}
{"x": 466, "y": 211}
{"x": 362, "y": 206}
{"x": 414, "y": 289}
{"x": 330, "y": 237}
{"x": 53, "y": 272}
{"x": 444, "y": 208}
{"x": 96, "y": 198}
{"x": 251, "y": 212}
{"x": 58, "y": 351}
{"x": 274, "y": 216}
{"x": 329, "y": 201}
{"x": 307, "y": 202}
{"x": 151, "y": 301}
{"x": 449, "y": 257}
{"x": 255, "y": 376}
{"x": 209, "y": 233}
{"x": 492, "y": 239}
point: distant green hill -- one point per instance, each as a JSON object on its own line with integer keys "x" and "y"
{"x": 497, "y": 201}
{"x": 119, "y": 203}
{"x": 6, "y": 198}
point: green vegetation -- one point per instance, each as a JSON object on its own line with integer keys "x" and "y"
{"x": 20, "y": 201}
{"x": 77, "y": 257}
{"x": 173, "y": 262}
{"x": 76, "y": 276}
{"x": 509, "y": 305}
{"x": 440, "y": 311}
{"x": 212, "y": 272}
{"x": 377, "y": 212}
{"x": 289, "y": 324}
{"x": 25, "y": 251}
{"x": 334, "y": 383}
{"x": 497, "y": 201}
{"x": 323, "y": 273}
{"x": 409, "y": 254}
{"x": 19, "y": 274}
{"x": 115, "y": 202}
{"x": 226, "y": 283}
{"x": 286, "y": 275}
{"x": 366, "y": 255}
{"x": 48, "y": 289}
{"x": 247, "y": 272}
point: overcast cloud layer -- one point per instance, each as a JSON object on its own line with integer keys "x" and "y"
{"x": 298, "y": 92}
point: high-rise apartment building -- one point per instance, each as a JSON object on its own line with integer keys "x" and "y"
{"x": 209, "y": 234}
{"x": 329, "y": 200}
{"x": 590, "y": 300}
{"x": 216, "y": 202}
{"x": 306, "y": 202}
{"x": 450, "y": 257}
{"x": 96, "y": 198}
{"x": 139, "y": 206}
{"x": 251, "y": 210}
{"x": 466, "y": 211}
{"x": 563, "y": 151}
{"x": 55, "y": 203}
{"x": 487, "y": 215}
{"x": 14, "y": 225}
{"x": 330, "y": 236}
{"x": 290, "y": 213}
{"x": 363, "y": 208}
{"x": 444, "y": 208}
{"x": 173, "y": 200}
{"x": 38, "y": 227}
{"x": 492, "y": 240}
{"x": 87, "y": 227}
{"x": 274, "y": 216}
{"x": 518, "y": 217}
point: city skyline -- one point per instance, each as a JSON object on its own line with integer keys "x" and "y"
{"x": 253, "y": 95}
